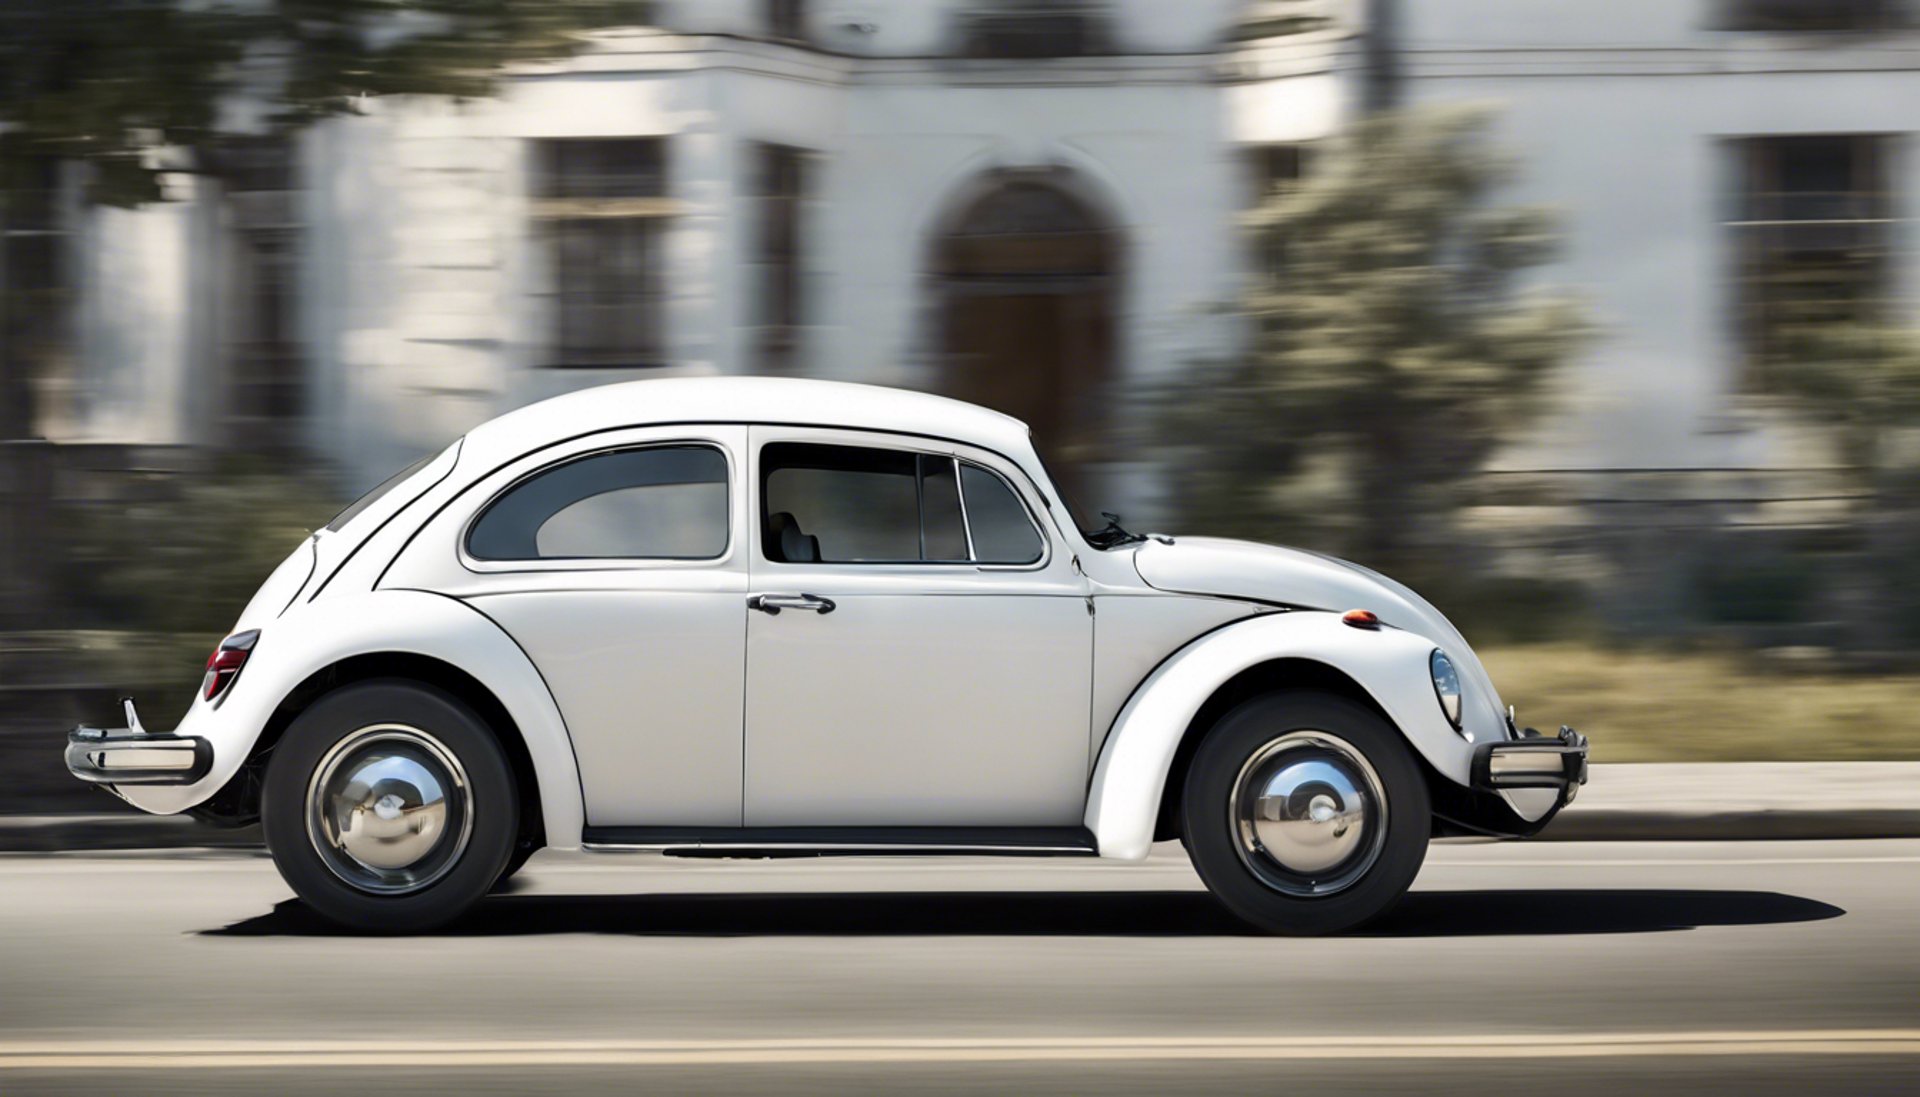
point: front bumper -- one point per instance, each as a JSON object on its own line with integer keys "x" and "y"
{"x": 134, "y": 756}
{"x": 1533, "y": 761}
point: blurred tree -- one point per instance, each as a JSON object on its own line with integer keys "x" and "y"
{"x": 117, "y": 94}
{"x": 1860, "y": 380}
{"x": 183, "y": 555}
{"x": 1392, "y": 344}
{"x": 134, "y": 89}
{"x": 113, "y": 83}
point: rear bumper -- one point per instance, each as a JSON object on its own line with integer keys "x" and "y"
{"x": 134, "y": 756}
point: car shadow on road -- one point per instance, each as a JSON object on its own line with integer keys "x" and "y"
{"x": 1530, "y": 912}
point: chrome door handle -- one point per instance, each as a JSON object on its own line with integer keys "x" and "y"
{"x": 774, "y": 603}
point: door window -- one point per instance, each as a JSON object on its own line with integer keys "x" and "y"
{"x": 864, "y": 505}
{"x": 1002, "y": 530}
{"x": 660, "y": 502}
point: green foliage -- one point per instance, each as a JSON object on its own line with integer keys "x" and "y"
{"x": 1774, "y": 589}
{"x": 187, "y": 558}
{"x": 110, "y": 81}
{"x": 1511, "y": 609}
{"x": 1863, "y": 380}
{"x": 1392, "y": 343}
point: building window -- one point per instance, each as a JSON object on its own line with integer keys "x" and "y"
{"x": 1815, "y": 15}
{"x": 1277, "y": 18}
{"x": 777, "y": 189}
{"x": 787, "y": 19}
{"x": 602, "y": 209}
{"x": 1812, "y": 230}
{"x": 1035, "y": 29}
{"x": 1271, "y": 168}
{"x": 261, "y": 329}
{"x": 33, "y": 283}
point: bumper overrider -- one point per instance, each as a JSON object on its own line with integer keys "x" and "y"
{"x": 135, "y": 756}
{"x": 1533, "y": 761}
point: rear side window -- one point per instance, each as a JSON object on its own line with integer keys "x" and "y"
{"x": 656, "y": 503}
{"x": 865, "y": 505}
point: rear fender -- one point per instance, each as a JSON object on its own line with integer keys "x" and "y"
{"x": 315, "y": 636}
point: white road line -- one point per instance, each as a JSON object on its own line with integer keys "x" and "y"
{"x": 93, "y": 1056}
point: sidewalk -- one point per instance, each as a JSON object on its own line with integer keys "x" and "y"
{"x": 1654, "y": 802}
{"x": 1716, "y": 801}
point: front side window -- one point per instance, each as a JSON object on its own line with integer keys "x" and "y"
{"x": 863, "y": 505}
{"x": 656, "y": 503}
{"x": 1001, "y": 530}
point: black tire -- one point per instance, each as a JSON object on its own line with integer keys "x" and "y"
{"x": 461, "y": 879}
{"x": 522, "y": 850}
{"x": 1234, "y": 874}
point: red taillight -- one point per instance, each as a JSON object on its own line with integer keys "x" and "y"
{"x": 1361, "y": 618}
{"x": 223, "y": 666}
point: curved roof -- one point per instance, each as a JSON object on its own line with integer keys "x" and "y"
{"x": 743, "y": 400}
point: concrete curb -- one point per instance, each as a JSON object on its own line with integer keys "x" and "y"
{"x": 1673, "y": 826}
{"x": 1719, "y": 801}
{"x": 70, "y": 833}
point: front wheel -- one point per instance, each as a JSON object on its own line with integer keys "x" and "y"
{"x": 389, "y": 807}
{"x": 1305, "y": 813}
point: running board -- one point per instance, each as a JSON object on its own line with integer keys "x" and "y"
{"x": 842, "y": 841}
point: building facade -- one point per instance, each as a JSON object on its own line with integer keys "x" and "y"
{"x": 1029, "y": 204}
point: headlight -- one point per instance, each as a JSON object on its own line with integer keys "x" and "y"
{"x": 1446, "y": 685}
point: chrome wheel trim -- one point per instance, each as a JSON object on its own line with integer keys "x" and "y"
{"x": 1308, "y": 813}
{"x": 389, "y": 809}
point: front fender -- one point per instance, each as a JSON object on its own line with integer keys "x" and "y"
{"x": 319, "y": 634}
{"x": 1123, "y": 803}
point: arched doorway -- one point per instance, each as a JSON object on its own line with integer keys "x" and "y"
{"x": 1025, "y": 277}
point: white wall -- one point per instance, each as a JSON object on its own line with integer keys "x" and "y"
{"x": 421, "y": 310}
{"x": 421, "y": 319}
{"x": 1617, "y": 115}
{"x": 138, "y": 275}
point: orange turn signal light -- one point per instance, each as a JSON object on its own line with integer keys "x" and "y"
{"x": 1360, "y": 618}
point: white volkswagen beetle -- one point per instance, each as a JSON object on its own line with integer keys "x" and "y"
{"x": 750, "y": 616}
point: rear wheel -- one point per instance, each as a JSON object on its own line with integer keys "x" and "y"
{"x": 389, "y": 807}
{"x": 1305, "y": 813}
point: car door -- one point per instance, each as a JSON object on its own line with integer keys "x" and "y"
{"x": 911, "y": 660}
{"x": 618, "y": 563}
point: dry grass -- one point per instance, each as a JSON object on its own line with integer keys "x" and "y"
{"x": 1684, "y": 707}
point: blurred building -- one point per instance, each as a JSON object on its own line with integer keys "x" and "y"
{"x": 1029, "y": 203}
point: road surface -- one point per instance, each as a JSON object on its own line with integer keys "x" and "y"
{"x": 1575, "y": 968}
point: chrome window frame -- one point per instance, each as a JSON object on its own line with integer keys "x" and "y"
{"x": 757, "y": 512}
{"x": 484, "y": 566}
{"x": 966, "y": 519}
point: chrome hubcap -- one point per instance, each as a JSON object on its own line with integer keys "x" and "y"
{"x": 389, "y": 809}
{"x": 1308, "y": 813}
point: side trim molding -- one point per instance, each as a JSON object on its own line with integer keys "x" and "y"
{"x": 843, "y": 841}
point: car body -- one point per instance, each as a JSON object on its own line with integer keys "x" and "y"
{"x": 751, "y": 615}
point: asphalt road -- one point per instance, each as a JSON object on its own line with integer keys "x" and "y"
{"x": 1566, "y": 968}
